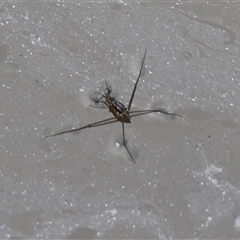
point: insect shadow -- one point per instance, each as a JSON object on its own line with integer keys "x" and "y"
{"x": 119, "y": 111}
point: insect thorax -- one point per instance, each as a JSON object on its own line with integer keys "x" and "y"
{"x": 119, "y": 106}
{"x": 118, "y": 110}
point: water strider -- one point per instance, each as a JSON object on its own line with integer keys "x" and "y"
{"x": 119, "y": 111}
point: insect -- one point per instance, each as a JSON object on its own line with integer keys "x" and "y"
{"x": 119, "y": 111}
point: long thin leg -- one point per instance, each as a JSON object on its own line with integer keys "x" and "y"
{"x": 96, "y": 124}
{"x": 135, "y": 86}
{"x": 124, "y": 144}
{"x": 143, "y": 112}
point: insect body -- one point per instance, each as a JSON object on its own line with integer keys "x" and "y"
{"x": 119, "y": 111}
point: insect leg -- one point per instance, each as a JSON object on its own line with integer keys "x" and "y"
{"x": 135, "y": 86}
{"x": 143, "y": 112}
{"x": 96, "y": 124}
{"x": 97, "y": 107}
{"x": 124, "y": 144}
{"x": 97, "y": 100}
